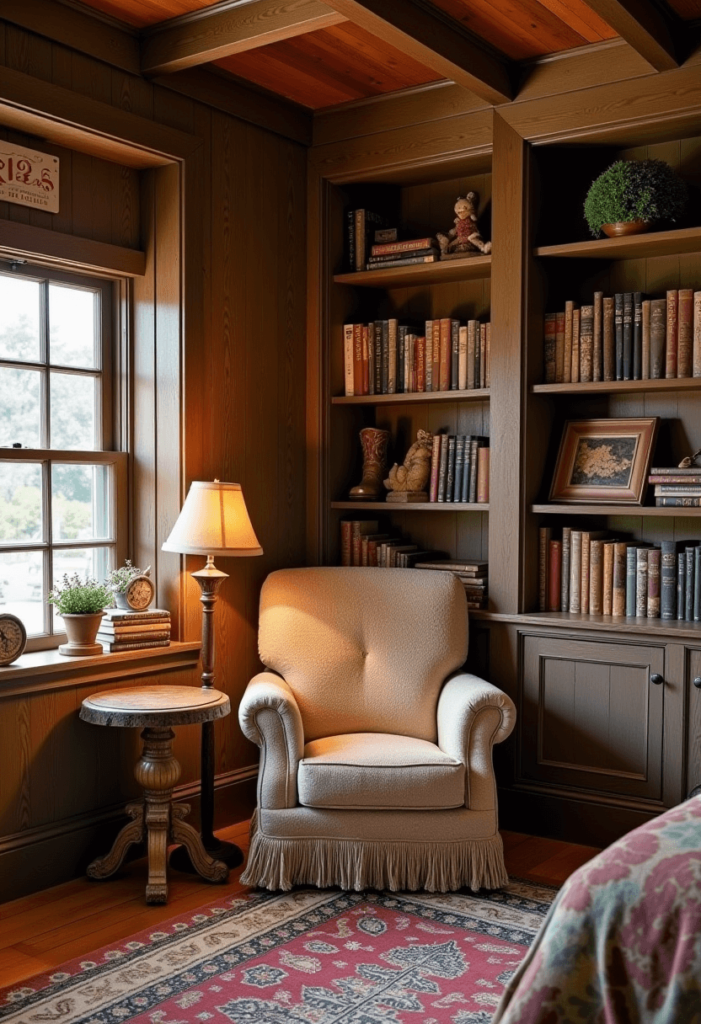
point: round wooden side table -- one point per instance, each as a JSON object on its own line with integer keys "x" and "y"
{"x": 157, "y": 709}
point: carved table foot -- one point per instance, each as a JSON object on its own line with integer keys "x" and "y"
{"x": 103, "y": 867}
{"x": 204, "y": 865}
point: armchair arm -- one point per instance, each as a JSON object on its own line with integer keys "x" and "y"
{"x": 472, "y": 716}
{"x": 269, "y": 716}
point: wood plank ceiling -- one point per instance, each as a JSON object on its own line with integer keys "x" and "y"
{"x": 319, "y": 54}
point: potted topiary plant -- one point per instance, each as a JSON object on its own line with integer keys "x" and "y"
{"x": 81, "y": 603}
{"x": 631, "y": 195}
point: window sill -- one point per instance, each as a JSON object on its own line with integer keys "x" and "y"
{"x": 49, "y": 670}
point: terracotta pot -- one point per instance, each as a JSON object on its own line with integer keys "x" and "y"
{"x": 81, "y": 631}
{"x": 627, "y": 227}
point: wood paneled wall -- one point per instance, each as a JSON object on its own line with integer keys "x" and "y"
{"x": 242, "y": 418}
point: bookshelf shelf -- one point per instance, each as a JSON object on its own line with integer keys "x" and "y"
{"x": 476, "y": 394}
{"x": 616, "y": 510}
{"x": 602, "y": 387}
{"x": 470, "y": 269}
{"x": 655, "y": 243}
{"x": 419, "y": 506}
{"x": 653, "y": 628}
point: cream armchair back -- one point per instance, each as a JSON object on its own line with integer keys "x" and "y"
{"x": 376, "y": 767}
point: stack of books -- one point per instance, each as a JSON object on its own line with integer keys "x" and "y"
{"x": 402, "y": 254}
{"x": 385, "y": 357}
{"x": 364, "y": 543}
{"x": 625, "y": 337}
{"x": 677, "y": 488}
{"x": 459, "y": 468}
{"x": 472, "y": 574}
{"x": 134, "y": 631}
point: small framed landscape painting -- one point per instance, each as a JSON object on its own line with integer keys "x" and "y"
{"x": 604, "y": 461}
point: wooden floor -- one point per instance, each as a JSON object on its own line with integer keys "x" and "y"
{"x": 39, "y": 932}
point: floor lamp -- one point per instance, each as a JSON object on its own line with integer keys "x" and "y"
{"x": 213, "y": 521}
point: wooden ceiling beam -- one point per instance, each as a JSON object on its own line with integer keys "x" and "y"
{"x": 430, "y": 38}
{"x": 227, "y": 28}
{"x": 644, "y": 27}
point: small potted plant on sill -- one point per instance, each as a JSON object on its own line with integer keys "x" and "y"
{"x": 81, "y": 603}
{"x": 631, "y": 195}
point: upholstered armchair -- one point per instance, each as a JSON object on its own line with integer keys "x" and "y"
{"x": 376, "y": 748}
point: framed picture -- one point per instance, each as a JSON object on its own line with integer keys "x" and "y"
{"x": 604, "y": 461}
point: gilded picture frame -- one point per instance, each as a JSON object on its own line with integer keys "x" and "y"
{"x": 604, "y": 461}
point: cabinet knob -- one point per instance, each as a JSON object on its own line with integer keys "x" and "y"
{"x": 657, "y": 679}
{"x": 697, "y": 682}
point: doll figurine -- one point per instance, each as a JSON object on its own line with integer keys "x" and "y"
{"x": 464, "y": 239}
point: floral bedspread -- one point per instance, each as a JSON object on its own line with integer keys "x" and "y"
{"x": 622, "y": 942}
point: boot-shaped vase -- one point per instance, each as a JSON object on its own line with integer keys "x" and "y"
{"x": 374, "y": 444}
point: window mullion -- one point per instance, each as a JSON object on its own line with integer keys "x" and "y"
{"x": 47, "y": 535}
{"x": 45, "y": 357}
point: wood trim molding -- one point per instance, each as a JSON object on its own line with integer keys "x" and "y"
{"x": 26, "y": 242}
{"x": 435, "y": 41}
{"x": 643, "y": 25}
{"x": 228, "y": 28}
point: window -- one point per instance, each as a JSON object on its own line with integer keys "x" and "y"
{"x": 62, "y": 487}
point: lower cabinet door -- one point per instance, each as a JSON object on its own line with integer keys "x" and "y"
{"x": 593, "y": 716}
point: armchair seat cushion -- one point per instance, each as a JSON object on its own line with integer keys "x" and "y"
{"x": 379, "y": 771}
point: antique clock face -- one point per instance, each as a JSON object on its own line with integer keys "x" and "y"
{"x": 13, "y": 638}
{"x": 139, "y": 593}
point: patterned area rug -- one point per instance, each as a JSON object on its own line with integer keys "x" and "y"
{"x": 305, "y": 957}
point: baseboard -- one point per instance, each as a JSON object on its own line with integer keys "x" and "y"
{"x": 57, "y": 852}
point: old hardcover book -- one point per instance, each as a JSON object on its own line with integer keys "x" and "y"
{"x": 692, "y": 471}
{"x": 448, "y": 564}
{"x": 576, "y": 344}
{"x": 350, "y": 240}
{"x": 120, "y": 641}
{"x": 609, "y": 341}
{"x": 679, "y": 481}
{"x": 348, "y": 360}
{"x": 697, "y": 583}
{"x": 631, "y": 569}
{"x": 554, "y": 575}
{"x": 575, "y": 570}
{"x": 113, "y": 648}
{"x": 620, "y": 560}
{"x": 409, "y": 246}
{"x": 371, "y": 358}
{"x": 134, "y": 629}
{"x": 436, "y": 355}
{"x": 672, "y": 336}
{"x": 358, "y": 528}
{"x": 668, "y": 580}
{"x": 365, "y": 541}
{"x": 383, "y": 551}
{"x": 346, "y": 542}
{"x": 488, "y": 354}
{"x": 366, "y": 360}
{"x": 475, "y": 445}
{"x": 408, "y": 261}
{"x": 696, "y": 353}
{"x": 395, "y": 550}
{"x": 365, "y": 222}
{"x": 596, "y": 577}
{"x": 483, "y": 475}
{"x": 467, "y": 472}
{"x": 443, "y": 467}
{"x": 544, "y": 536}
{"x": 588, "y": 536}
{"x": 559, "y": 347}
{"x": 668, "y": 501}
{"x": 435, "y": 464}
{"x": 549, "y": 342}
{"x": 377, "y": 355}
{"x": 586, "y": 343}
{"x": 454, "y": 354}
{"x": 392, "y": 356}
{"x": 483, "y": 355}
{"x": 607, "y": 579}
{"x": 658, "y": 335}
{"x": 681, "y": 585}
{"x": 428, "y": 334}
{"x": 690, "y": 582}
{"x": 653, "y": 583}
{"x": 445, "y": 354}
{"x": 688, "y": 487}
{"x": 685, "y": 332}
{"x": 478, "y": 354}
{"x": 398, "y": 258}
{"x": 618, "y": 333}
{"x": 358, "y": 359}
{"x": 403, "y": 360}
{"x": 598, "y": 346}
{"x": 120, "y": 615}
{"x": 462, "y": 358}
{"x": 641, "y": 567}
{"x": 645, "y": 346}
{"x": 450, "y": 470}
{"x": 637, "y": 335}
{"x": 459, "y": 466}
{"x": 420, "y": 358}
{"x": 565, "y": 587}
{"x": 471, "y": 341}
{"x": 567, "y": 356}
{"x": 627, "y": 336}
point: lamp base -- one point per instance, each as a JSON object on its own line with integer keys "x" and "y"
{"x": 231, "y": 854}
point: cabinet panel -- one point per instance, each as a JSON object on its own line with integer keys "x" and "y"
{"x": 591, "y": 716}
{"x": 693, "y": 777}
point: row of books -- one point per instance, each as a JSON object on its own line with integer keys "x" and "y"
{"x": 589, "y": 572}
{"x": 459, "y": 468}
{"x": 363, "y": 228}
{"x": 625, "y": 337}
{"x": 473, "y": 575}
{"x": 403, "y": 254}
{"x": 677, "y": 488}
{"x": 122, "y": 630}
{"x": 385, "y": 357}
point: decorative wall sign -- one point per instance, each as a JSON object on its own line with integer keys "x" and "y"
{"x": 28, "y": 178}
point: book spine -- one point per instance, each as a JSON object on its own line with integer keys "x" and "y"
{"x": 596, "y": 577}
{"x": 667, "y": 502}
{"x": 118, "y": 617}
{"x": 554, "y": 575}
{"x": 618, "y": 331}
{"x": 681, "y": 585}
{"x": 420, "y": 363}
{"x": 696, "y": 353}
{"x": 366, "y": 360}
{"x": 627, "y": 336}
{"x": 358, "y": 359}
{"x": 575, "y": 570}
{"x": 454, "y": 354}
{"x": 115, "y": 648}
{"x": 482, "y": 476}
{"x": 384, "y": 357}
{"x": 377, "y": 353}
{"x": 403, "y": 363}
{"x": 467, "y": 473}
{"x": 382, "y": 235}
{"x": 567, "y": 356}
{"x": 442, "y": 467}
{"x": 459, "y": 466}
{"x": 483, "y": 356}
{"x": 559, "y": 348}
{"x": 620, "y": 559}
{"x": 697, "y": 584}
{"x": 371, "y": 358}
{"x": 132, "y": 638}
{"x": 637, "y": 336}
{"x": 672, "y": 336}
{"x": 373, "y": 553}
{"x": 607, "y": 580}
{"x": 690, "y": 583}
{"x": 641, "y": 581}
{"x": 462, "y": 359}
{"x": 549, "y": 339}
{"x": 668, "y": 580}
{"x": 584, "y": 579}
{"x": 471, "y": 337}
{"x": 478, "y": 353}
{"x": 609, "y": 340}
{"x": 435, "y": 462}
{"x": 381, "y": 260}
{"x": 445, "y": 354}
{"x": 681, "y": 488}
{"x": 359, "y": 239}
{"x": 350, "y": 240}
{"x": 108, "y": 626}
{"x": 543, "y": 567}
{"x": 586, "y": 343}
{"x": 436, "y": 355}
{"x": 416, "y": 243}
{"x": 658, "y": 333}
{"x": 598, "y": 349}
{"x": 429, "y": 354}
{"x": 645, "y": 344}
{"x": 685, "y": 333}
{"x": 653, "y": 583}
{"x": 348, "y": 361}
{"x": 565, "y": 587}
{"x": 392, "y": 356}
{"x": 364, "y": 548}
{"x": 576, "y": 344}
{"x": 631, "y": 566}
{"x": 474, "y": 449}
{"x": 408, "y": 261}
{"x": 450, "y": 471}
{"x": 488, "y": 354}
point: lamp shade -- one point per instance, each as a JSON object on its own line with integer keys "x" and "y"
{"x": 213, "y": 521}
